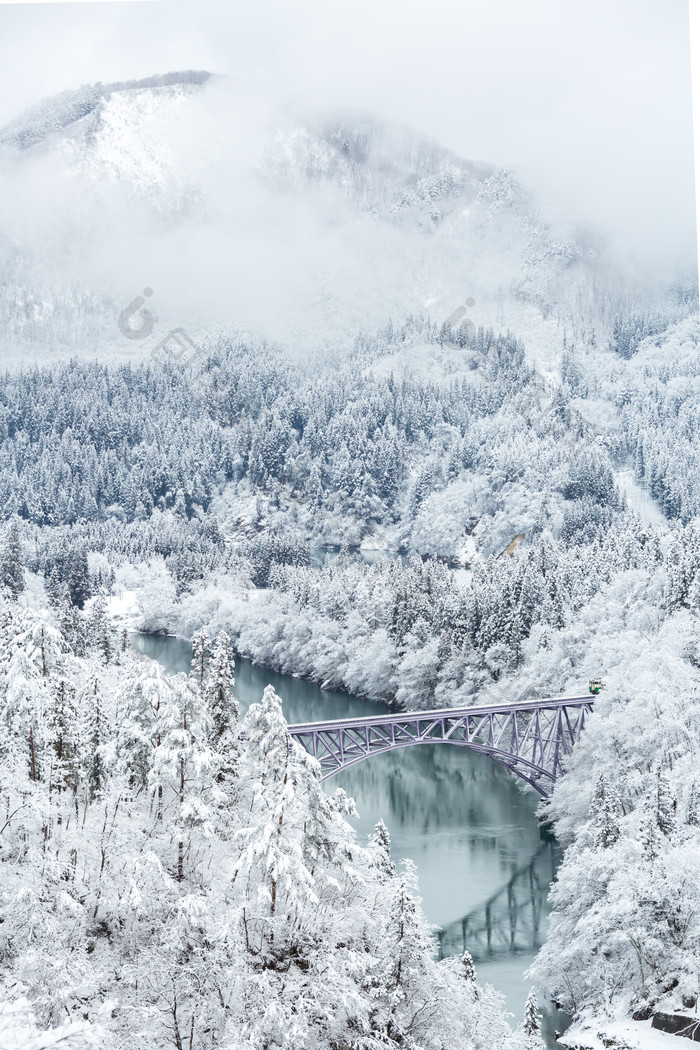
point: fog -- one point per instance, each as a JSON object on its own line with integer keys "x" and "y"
{"x": 590, "y": 107}
{"x": 589, "y": 102}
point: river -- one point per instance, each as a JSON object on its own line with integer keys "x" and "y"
{"x": 369, "y": 557}
{"x": 484, "y": 863}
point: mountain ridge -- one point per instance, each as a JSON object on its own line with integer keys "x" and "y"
{"x": 33, "y": 125}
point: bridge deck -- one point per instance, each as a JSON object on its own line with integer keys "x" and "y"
{"x": 448, "y": 712}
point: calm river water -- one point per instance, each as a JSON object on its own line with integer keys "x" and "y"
{"x": 484, "y": 864}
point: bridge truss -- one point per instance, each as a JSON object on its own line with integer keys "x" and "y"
{"x": 533, "y": 740}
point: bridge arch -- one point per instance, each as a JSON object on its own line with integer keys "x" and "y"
{"x": 527, "y": 771}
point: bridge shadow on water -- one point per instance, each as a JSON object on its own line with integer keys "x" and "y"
{"x": 513, "y": 920}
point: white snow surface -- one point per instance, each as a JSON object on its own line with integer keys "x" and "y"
{"x": 629, "y": 1035}
{"x": 638, "y": 499}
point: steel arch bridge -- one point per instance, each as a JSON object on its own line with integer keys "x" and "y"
{"x": 533, "y": 740}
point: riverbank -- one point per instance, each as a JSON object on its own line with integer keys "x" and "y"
{"x": 620, "y": 1035}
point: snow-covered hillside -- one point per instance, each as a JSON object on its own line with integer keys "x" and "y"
{"x": 303, "y": 228}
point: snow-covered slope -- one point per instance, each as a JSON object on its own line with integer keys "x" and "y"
{"x": 304, "y": 229}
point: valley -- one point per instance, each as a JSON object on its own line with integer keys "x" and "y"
{"x": 423, "y": 446}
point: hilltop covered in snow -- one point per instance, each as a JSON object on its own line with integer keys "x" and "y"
{"x": 305, "y": 228}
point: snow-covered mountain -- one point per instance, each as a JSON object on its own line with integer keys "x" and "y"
{"x": 304, "y": 228}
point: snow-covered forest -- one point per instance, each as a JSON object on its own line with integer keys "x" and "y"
{"x": 174, "y": 877}
{"x": 347, "y": 486}
{"x": 218, "y": 513}
{"x": 117, "y": 491}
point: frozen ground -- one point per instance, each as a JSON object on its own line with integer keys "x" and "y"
{"x": 621, "y": 1035}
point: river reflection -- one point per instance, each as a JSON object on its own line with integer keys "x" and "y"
{"x": 464, "y": 822}
{"x": 484, "y": 863}
{"x": 368, "y": 557}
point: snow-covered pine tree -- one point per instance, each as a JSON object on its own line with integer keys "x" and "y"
{"x": 200, "y": 656}
{"x": 650, "y": 836}
{"x": 665, "y": 805}
{"x": 604, "y": 810}
{"x": 61, "y": 742}
{"x": 78, "y": 577}
{"x": 532, "y": 1021}
{"x": 55, "y": 589}
{"x": 468, "y": 967}
{"x": 93, "y": 738}
{"x": 99, "y": 631}
{"x": 693, "y": 806}
{"x": 403, "y": 991}
{"x": 139, "y": 699}
{"x": 223, "y": 706}
{"x": 272, "y": 855}
{"x": 73, "y": 626}
{"x": 379, "y": 846}
{"x": 11, "y": 563}
{"x": 182, "y": 764}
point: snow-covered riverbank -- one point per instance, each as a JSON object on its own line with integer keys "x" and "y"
{"x": 620, "y": 1035}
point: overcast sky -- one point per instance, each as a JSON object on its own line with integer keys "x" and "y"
{"x": 589, "y": 101}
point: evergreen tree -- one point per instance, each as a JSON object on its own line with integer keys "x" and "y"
{"x": 78, "y": 578}
{"x": 271, "y": 849}
{"x": 665, "y": 805}
{"x": 200, "y": 654}
{"x": 604, "y": 810}
{"x": 11, "y": 563}
{"x": 650, "y": 835}
{"x": 532, "y": 1022}
{"x": 55, "y": 589}
{"x": 93, "y": 739}
{"x": 182, "y": 763}
{"x": 62, "y": 738}
{"x": 407, "y": 937}
{"x": 139, "y": 703}
{"x": 99, "y": 630}
{"x": 693, "y": 809}
{"x": 468, "y": 968}
{"x": 380, "y": 849}
{"x": 223, "y": 707}
{"x": 72, "y": 626}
